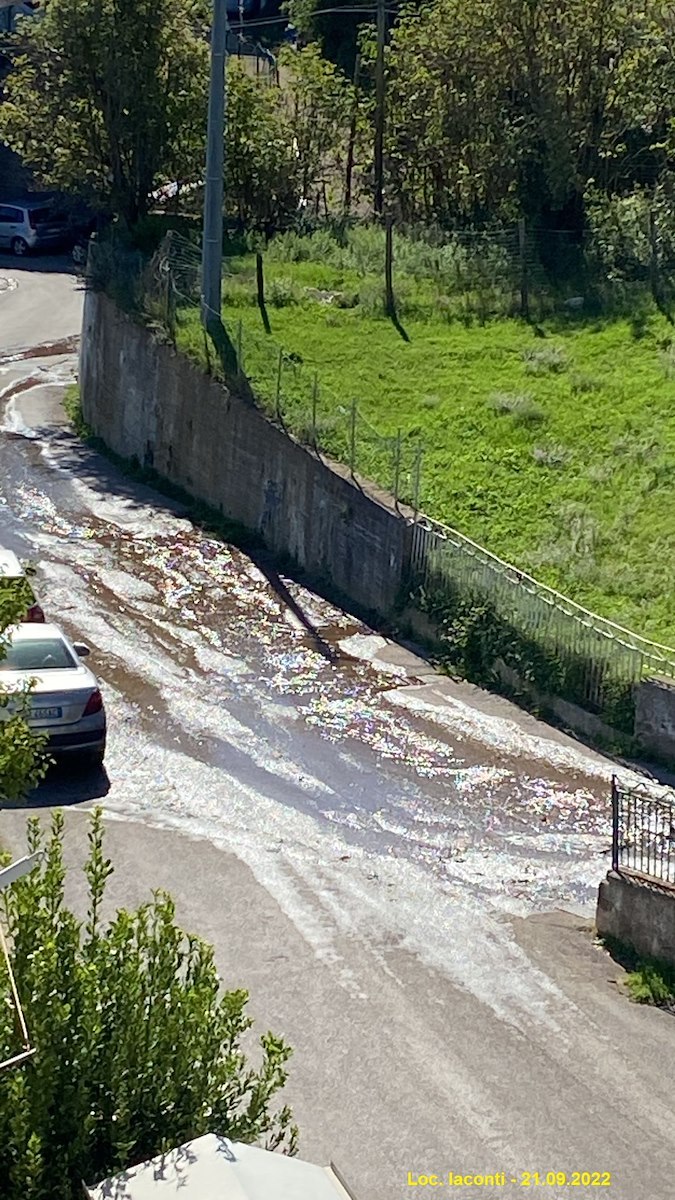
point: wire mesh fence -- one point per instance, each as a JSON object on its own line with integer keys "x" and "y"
{"x": 546, "y": 641}
{"x": 165, "y": 292}
{"x": 643, "y": 832}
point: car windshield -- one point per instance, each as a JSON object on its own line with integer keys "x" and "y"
{"x": 37, "y": 654}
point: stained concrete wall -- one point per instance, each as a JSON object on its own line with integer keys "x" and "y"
{"x": 655, "y": 717}
{"x": 639, "y": 914}
{"x": 146, "y": 401}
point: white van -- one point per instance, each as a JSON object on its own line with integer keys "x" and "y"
{"x": 27, "y": 225}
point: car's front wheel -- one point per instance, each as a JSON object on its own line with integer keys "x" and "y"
{"x": 19, "y": 246}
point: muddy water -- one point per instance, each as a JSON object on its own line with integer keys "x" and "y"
{"x": 211, "y": 655}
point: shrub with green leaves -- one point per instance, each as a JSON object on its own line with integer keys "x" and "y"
{"x": 23, "y": 761}
{"x": 138, "y": 1049}
{"x": 521, "y": 407}
{"x": 548, "y": 360}
{"x": 477, "y": 634}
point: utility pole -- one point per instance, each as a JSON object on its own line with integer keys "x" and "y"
{"x": 212, "y": 244}
{"x": 379, "y": 109}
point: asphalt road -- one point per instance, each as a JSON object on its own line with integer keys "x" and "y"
{"x": 383, "y": 857}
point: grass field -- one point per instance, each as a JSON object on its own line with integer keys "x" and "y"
{"x": 553, "y": 446}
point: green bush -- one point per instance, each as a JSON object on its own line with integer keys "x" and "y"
{"x": 521, "y": 407}
{"x": 652, "y": 983}
{"x": 281, "y": 292}
{"x": 476, "y": 637}
{"x": 23, "y": 757}
{"x": 137, "y": 1049}
{"x": 550, "y": 359}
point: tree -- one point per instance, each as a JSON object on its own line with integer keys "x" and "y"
{"x": 262, "y": 169}
{"x": 23, "y": 761}
{"x": 338, "y": 33}
{"x": 137, "y": 1050}
{"x": 320, "y": 103}
{"x": 515, "y": 106}
{"x": 110, "y": 98}
{"x": 335, "y": 32}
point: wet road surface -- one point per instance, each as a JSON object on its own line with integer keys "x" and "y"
{"x": 375, "y": 803}
{"x": 231, "y": 666}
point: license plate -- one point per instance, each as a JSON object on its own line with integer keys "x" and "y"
{"x": 47, "y": 714}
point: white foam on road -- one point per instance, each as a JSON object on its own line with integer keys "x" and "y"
{"x": 444, "y": 926}
{"x": 501, "y": 734}
{"x": 367, "y": 646}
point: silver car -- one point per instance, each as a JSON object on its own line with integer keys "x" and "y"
{"x": 65, "y": 698}
{"x": 27, "y": 225}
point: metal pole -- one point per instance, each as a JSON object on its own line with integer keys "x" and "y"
{"x": 397, "y": 466}
{"x": 418, "y": 471}
{"x": 315, "y": 397}
{"x": 379, "y": 108}
{"x": 390, "y": 305}
{"x": 280, "y": 365}
{"x": 615, "y": 824}
{"x": 212, "y": 247}
{"x": 524, "y": 289}
{"x": 352, "y": 438}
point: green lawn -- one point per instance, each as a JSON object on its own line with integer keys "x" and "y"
{"x": 562, "y": 462}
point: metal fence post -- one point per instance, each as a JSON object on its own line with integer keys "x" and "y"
{"x": 279, "y": 370}
{"x": 315, "y": 397}
{"x": 171, "y": 306}
{"x": 524, "y": 289}
{"x": 397, "y": 466}
{"x": 416, "y": 483}
{"x": 240, "y": 350}
{"x": 352, "y": 439}
{"x": 615, "y": 824}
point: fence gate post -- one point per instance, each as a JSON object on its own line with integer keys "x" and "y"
{"x": 615, "y": 824}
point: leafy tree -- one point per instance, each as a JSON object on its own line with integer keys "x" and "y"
{"x": 262, "y": 169}
{"x": 339, "y": 33}
{"x": 335, "y": 32}
{"x": 320, "y": 103}
{"x": 513, "y": 106}
{"x": 137, "y": 1048}
{"x": 110, "y": 97}
{"x": 22, "y": 758}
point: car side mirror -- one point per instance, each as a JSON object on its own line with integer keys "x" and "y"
{"x": 81, "y": 650}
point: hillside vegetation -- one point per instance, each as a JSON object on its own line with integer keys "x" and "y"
{"x": 551, "y": 444}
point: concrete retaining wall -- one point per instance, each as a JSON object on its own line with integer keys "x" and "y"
{"x": 147, "y": 402}
{"x": 639, "y": 914}
{"x": 655, "y": 717}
